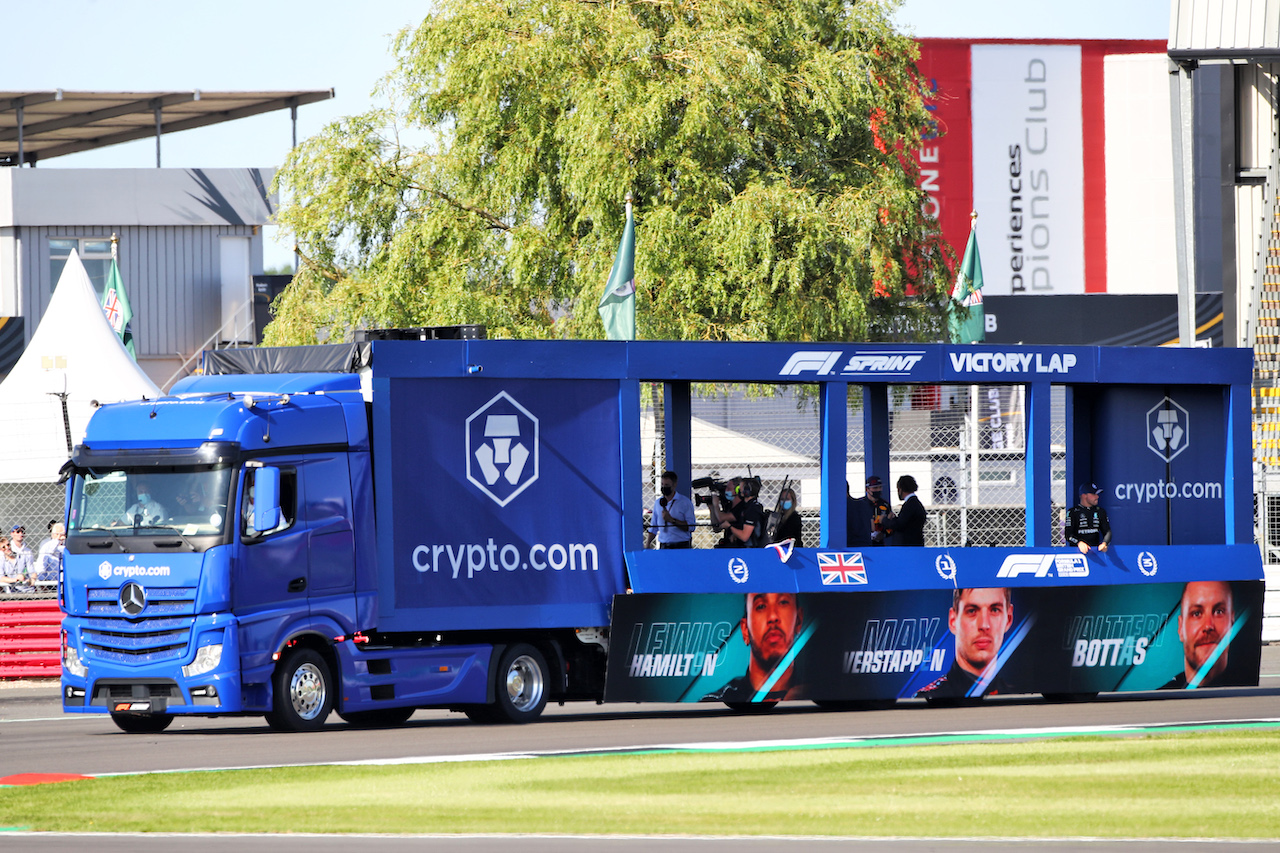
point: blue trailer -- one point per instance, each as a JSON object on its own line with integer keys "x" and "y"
{"x": 380, "y": 527}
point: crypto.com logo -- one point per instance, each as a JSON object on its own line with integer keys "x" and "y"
{"x": 502, "y": 448}
{"x": 1168, "y": 429}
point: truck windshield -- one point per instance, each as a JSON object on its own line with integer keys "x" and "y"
{"x": 151, "y": 501}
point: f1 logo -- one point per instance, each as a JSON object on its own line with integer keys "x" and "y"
{"x": 818, "y": 361}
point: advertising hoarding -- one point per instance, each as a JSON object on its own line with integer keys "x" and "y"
{"x": 967, "y": 642}
{"x": 503, "y": 502}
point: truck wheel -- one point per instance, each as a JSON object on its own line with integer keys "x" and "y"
{"x": 520, "y": 685}
{"x": 381, "y": 718}
{"x": 303, "y": 694}
{"x": 142, "y": 724}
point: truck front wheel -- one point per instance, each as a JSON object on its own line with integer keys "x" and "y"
{"x": 303, "y": 693}
{"x": 520, "y": 685}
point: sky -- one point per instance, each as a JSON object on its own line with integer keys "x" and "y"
{"x": 265, "y": 45}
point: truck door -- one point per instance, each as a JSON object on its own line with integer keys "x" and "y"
{"x": 269, "y": 573}
{"x": 327, "y": 509}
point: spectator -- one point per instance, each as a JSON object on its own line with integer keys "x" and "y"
{"x": 49, "y": 561}
{"x": 17, "y": 541}
{"x": 15, "y": 571}
{"x": 789, "y": 525}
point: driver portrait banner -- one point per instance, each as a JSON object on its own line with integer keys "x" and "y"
{"x": 837, "y": 646}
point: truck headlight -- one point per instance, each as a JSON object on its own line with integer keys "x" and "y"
{"x": 207, "y": 659}
{"x": 71, "y": 660}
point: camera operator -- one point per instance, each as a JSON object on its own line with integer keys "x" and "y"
{"x": 673, "y": 519}
{"x": 747, "y": 529}
{"x": 723, "y": 502}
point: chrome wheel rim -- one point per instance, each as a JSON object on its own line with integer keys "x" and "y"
{"x": 306, "y": 691}
{"x": 524, "y": 683}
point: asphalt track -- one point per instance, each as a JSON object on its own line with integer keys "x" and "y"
{"x": 35, "y": 737}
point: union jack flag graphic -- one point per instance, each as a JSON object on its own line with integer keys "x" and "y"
{"x": 842, "y": 569}
{"x": 113, "y": 312}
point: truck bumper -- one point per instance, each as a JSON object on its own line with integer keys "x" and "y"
{"x": 205, "y": 681}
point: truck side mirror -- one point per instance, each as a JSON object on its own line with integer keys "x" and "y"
{"x": 266, "y": 498}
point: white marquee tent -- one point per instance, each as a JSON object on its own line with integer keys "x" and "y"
{"x": 76, "y": 352}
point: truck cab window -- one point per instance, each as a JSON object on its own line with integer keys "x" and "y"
{"x": 288, "y": 503}
{"x": 152, "y": 501}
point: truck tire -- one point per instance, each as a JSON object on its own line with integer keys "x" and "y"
{"x": 142, "y": 724}
{"x": 380, "y": 718}
{"x": 303, "y": 694}
{"x": 519, "y": 686}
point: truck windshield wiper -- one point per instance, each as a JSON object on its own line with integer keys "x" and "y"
{"x": 165, "y": 542}
{"x": 103, "y": 543}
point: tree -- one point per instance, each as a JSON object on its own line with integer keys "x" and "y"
{"x": 768, "y": 144}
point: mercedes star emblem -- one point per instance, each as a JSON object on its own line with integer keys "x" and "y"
{"x": 132, "y": 598}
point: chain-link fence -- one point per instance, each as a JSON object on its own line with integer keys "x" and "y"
{"x": 1266, "y": 515}
{"x": 35, "y": 506}
{"x": 1266, "y": 528}
{"x": 964, "y": 445}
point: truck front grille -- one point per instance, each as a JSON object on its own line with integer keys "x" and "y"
{"x": 161, "y": 601}
{"x": 160, "y": 632}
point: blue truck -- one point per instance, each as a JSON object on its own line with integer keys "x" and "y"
{"x": 373, "y": 528}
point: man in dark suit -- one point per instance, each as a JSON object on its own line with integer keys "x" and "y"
{"x": 907, "y": 527}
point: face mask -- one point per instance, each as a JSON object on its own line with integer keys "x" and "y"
{"x": 786, "y": 504}
{"x": 666, "y": 491}
{"x": 143, "y": 498}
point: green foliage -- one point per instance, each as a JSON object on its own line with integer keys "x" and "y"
{"x": 768, "y": 145}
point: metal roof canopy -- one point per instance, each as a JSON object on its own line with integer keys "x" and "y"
{"x": 38, "y": 125}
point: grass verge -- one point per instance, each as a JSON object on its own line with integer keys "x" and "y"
{"x": 1202, "y": 785}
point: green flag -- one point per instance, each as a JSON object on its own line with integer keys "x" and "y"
{"x": 115, "y": 304}
{"x": 618, "y": 304}
{"x": 966, "y": 320}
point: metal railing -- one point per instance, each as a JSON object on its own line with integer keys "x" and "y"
{"x": 211, "y": 341}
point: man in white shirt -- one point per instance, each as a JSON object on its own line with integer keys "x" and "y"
{"x": 49, "y": 560}
{"x": 145, "y": 512}
{"x": 673, "y": 520}
{"x": 17, "y": 542}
